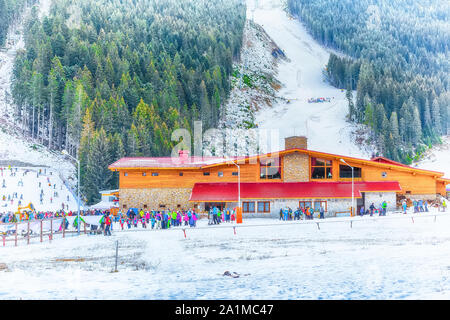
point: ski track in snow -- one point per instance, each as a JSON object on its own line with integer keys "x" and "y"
{"x": 301, "y": 76}
{"x": 378, "y": 258}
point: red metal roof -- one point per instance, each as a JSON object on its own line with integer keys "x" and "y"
{"x": 388, "y": 161}
{"x": 210, "y": 192}
{"x": 169, "y": 162}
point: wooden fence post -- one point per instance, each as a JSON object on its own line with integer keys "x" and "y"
{"x": 51, "y": 229}
{"x": 28, "y": 232}
{"x": 15, "y": 241}
{"x": 4, "y": 240}
{"x": 84, "y": 224}
{"x": 63, "y": 228}
{"x": 41, "y": 230}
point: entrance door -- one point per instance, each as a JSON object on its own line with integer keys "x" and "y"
{"x": 360, "y": 203}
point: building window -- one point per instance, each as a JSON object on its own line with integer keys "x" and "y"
{"x": 155, "y": 174}
{"x": 346, "y": 172}
{"x": 384, "y": 174}
{"x": 181, "y": 174}
{"x": 144, "y": 174}
{"x": 263, "y": 206}
{"x": 408, "y": 192}
{"x": 196, "y": 206}
{"x": 162, "y": 205}
{"x": 206, "y": 173}
{"x": 234, "y": 173}
{"x": 248, "y": 207}
{"x": 145, "y": 206}
{"x": 270, "y": 168}
{"x": 321, "y": 169}
{"x": 318, "y": 204}
{"x": 220, "y": 174}
{"x": 304, "y": 204}
{"x": 178, "y": 205}
{"x": 124, "y": 206}
{"x": 125, "y": 174}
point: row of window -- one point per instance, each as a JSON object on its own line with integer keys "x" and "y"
{"x": 206, "y": 173}
{"x": 323, "y": 169}
{"x": 262, "y": 206}
{"x": 271, "y": 169}
{"x": 320, "y": 169}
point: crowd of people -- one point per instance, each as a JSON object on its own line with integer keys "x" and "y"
{"x": 304, "y": 213}
{"x": 157, "y": 219}
{"x": 216, "y": 216}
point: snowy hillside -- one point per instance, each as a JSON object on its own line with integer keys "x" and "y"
{"x": 323, "y": 123}
{"x": 284, "y": 67}
{"x": 438, "y": 158}
{"x": 378, "y": 258}
{"x": 14, "y": 148}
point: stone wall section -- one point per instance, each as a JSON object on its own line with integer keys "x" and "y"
{"x": 154, "y": 197}
{"x": 296, "y": 167}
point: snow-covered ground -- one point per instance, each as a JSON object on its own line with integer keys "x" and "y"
{"x": 438, "y": 158}
{"x": 377, "y": 258}
{"x": 31, "y": 190}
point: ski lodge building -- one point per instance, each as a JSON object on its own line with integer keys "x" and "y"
{"x": 294, "y": 177}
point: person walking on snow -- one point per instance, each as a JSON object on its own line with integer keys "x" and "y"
{"x": 107, "y": 225}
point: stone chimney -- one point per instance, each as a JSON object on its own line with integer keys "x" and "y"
{"x": 300, "y": 142}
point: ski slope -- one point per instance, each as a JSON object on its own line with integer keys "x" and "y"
{"x": 323, "y": 123}
{"x": 31, "y": 190}
{"x": 378, "y": 258}
{"x": 13, "y": 146}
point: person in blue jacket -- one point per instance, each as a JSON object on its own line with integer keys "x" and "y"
{"x": 215, "y": 212}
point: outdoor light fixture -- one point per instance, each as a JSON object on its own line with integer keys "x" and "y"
{"x": 353, "y": 197}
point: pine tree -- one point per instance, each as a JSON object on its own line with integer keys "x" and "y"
{"x": 436, "y": 117}
{"x": 98, "y": 176}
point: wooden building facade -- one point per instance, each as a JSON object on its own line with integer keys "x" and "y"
{"x": 168, "y": 183}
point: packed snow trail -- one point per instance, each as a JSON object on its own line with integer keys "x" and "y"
{"x": 323, "y": 123}
{"x": 27, "y": 182}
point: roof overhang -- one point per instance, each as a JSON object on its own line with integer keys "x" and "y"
{"x": 229, "y": 192}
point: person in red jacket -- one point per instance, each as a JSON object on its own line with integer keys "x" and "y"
{"x": 107, "y": 225}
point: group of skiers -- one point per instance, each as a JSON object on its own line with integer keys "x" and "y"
{"x": 306, "y": 213}
{"x": 216, "y": 216}
{"x": 380, "y": 210}
{"x": 14, "y": 198}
